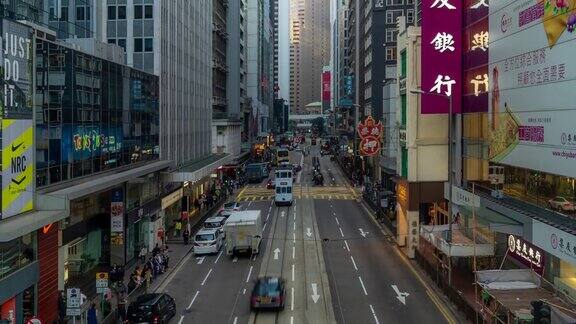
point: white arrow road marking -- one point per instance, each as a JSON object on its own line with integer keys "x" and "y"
{"x": 206, "y": 278}
{"x": 193, "y": 299}
{"x": 282, "y": 214}
{"x": 308, "y": 232}
{"x": 401, "y": 296}
{"x": 200, "y": 260}
{"x": 249, "y": 273}
{"x": 374, "y": 314}
{"x": 362, "y": 284}
{"x": 276, "y": 253}
{"x": 315, "y": 295}
{"x": 363, "y": 233}
{"x": 235, "y": 260}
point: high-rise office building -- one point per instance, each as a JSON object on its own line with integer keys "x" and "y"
{"x": 310, "y": 50}
{"x": 280, "y": 19}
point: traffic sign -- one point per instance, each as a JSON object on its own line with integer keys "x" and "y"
{"x": 101, "y": 282}
{"x": 73, "y": 298}
{"x": 34, "y": 320}
{"x": 73, "y": 312}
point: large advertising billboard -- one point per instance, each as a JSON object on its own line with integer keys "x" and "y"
{"x": 18, "y": 176}
{"x": 441, "y": 56}
{"x": 532, "y": 75}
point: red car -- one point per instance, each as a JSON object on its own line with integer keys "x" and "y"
{"x": 271, "y": 184}
{"x": 268, "y": 293}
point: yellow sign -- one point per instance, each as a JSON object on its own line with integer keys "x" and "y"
{"x": 17, "y": 166}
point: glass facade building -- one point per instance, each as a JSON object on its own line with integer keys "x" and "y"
{"x": 92, "y": 115}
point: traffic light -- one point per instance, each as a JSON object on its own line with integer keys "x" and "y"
{"x": 540, "y": 312}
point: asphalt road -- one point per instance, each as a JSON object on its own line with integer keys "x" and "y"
{"x": 338, "y": 266}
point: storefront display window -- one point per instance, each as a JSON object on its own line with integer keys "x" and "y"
{"x": 17, "y": 253}
{"x": 82, "y": 255}
{"x": 29, "y": 302}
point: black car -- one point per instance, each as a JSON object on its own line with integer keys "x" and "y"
{"x": 155, "y": 308}
{"x": 268, "y": 293}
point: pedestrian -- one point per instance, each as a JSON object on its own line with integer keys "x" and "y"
{"x": 92, "y": 315}
{"x": 148, "y": 277}
{"x": 122, "y": 309}
{"x": 143, "y": 253}
{"x": 186, "y": 236}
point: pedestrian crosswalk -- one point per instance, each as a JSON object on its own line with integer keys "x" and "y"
{"x": 254, "y": 193}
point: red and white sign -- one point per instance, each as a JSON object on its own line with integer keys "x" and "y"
{"x": 326, "y": 83}
{"x": 370, "y": 133}
{"x": 34, "y": 320}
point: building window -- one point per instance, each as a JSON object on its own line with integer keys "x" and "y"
{"x": 148, "y": 45}
{"x": 64, "y": 14}
{"x": 138, "y": 45}
{"x": 111, "y": 41}
{"x": 391, "y": 35}
{"x": 391, "y": 53}
{"x": 394, "y": 2}
{"x": 410, "y": 16}
{"x": 138, "y": 11}
{"x": 80, "y": 13}
{"x": 111, "y": 12}
{"x": 148, "y": 12}
{"x": 121, "y": 12}
{"x": 122, "y": 43}
{"x": 392, "y": 15}
{"x": 410, "y": 2}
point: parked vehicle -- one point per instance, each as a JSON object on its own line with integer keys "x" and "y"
{"x": 152, "y": 308}
{"x": 561, "y": 204}
{"x": 207, "y": 241}
{"x": 243, "y": 231}
{"x": 268, "y": 293}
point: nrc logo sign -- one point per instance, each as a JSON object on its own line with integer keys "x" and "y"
{"x": 18, "y": 164}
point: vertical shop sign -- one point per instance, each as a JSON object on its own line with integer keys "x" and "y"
{"x": 441, "y": 55}
{"x": 117, "y": 217}
{"x": 17, "y": 123}
{"x": 370, "y": 133}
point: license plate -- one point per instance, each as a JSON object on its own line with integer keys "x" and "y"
{"x": 265, "y": 300}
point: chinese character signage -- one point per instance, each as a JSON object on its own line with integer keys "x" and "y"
{"x": 441, "y": 55}
{"x": 17, "y": 125}
{"x": 117, "y": 217}
{"x": 555, "y": 241}
{"x": 532, "y": 77}
{"x": 526, "y": 253}
{"x": 370, "y": 133}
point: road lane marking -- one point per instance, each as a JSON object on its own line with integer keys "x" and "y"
{"x": 292, "y": 300}
{"x": 293, "y": 252}
{"x": 200, "y": 260}
{"x": 268, "y": 216}
{"x": 249, "y": 273}
{"x": 193, "y": 299}
{"x": 362, "y": 283}
{"x": 218, "y": 258}
{"x": 235, "y": 259}
{"x": 244, "y": 291}
{"x": 181, "y": 319}
{"x": 347, "y": 247}
{"x": 250, "y": 202}
{"x": 337, "y": 222}
{"x": 374, "y": 314}
{"x": 291, "y": 319}
{"x": 264, "y": 228}
{"x": 254, "y": 257}
{"x": 235, "y": 319}
{"x": 354, "y": 263}
{"x": 294, "y": 238}
{"x": 292, "y": 272}
{"x": 206, "y": 278}
{"x": 341, "y": 233}
{"x": 294, "y": 226}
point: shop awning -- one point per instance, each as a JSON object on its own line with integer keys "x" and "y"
{"x": 196, "y": 170}
{"x": 495, "y": 221}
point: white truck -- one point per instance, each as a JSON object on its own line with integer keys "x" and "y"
{"x": 243, "y": 232}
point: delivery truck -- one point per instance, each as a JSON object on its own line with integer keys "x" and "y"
{"x": 243, "y": 232}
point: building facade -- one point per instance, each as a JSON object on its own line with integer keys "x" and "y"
{"x": 311, "y": 25}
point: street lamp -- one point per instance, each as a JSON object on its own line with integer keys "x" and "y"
{"x": 420, "y": 92}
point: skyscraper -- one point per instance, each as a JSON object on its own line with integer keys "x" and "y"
{"x": 309, "y": 50}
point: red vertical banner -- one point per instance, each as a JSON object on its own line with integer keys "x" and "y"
{"x": 326, "y": 85}
{"x": 441, "y": 56}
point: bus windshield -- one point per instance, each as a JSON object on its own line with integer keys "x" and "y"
{"x": 282, "y": 153}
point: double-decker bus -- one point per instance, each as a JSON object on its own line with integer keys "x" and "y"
{"x": 283, "y": 182}
{"x": 281, "y": 156}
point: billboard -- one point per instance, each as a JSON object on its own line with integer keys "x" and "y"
{"x": 370, "y": 133}
{"x": 326, "y": 85}
{"x": 441, "y": 56}
{"x": 18, "y": 176}
{"x": 532, "y": 80}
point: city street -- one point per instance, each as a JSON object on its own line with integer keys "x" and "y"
{"x": 338, "y": 266}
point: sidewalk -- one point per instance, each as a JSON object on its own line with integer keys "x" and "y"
{"x": 176, "y": 252}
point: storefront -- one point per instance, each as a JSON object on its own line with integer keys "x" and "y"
{"x": 171, "y": 206}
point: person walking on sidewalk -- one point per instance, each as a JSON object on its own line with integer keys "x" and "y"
{"x": 92, "y": 315}
{"x": 186, "y": 236}
{"x": 143, "y": 253}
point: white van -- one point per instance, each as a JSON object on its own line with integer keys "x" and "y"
{"x": 207, "y": 241}
{"x": 216, "y": 222}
